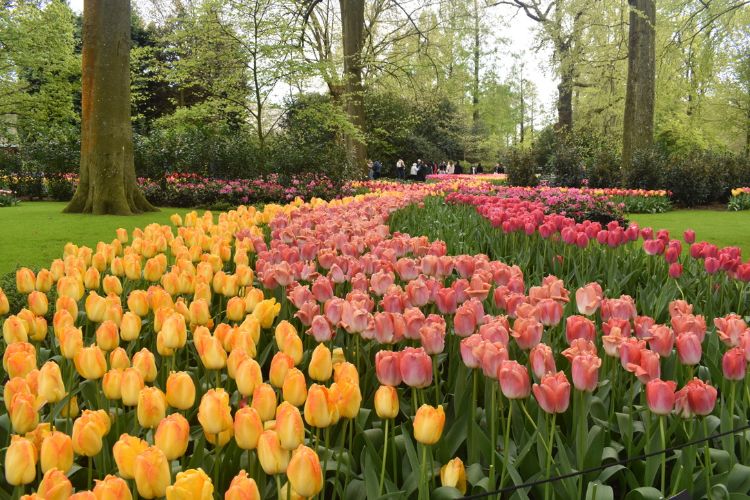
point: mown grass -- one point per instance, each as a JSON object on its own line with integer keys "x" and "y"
{"x": 32, "y": 234}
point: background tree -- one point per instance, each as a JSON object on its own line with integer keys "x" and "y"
{"x": 107, "y": 182}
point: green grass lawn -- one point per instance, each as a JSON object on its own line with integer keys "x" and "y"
{"x": 720, "y": 227}
{"x": 33, "y": 233}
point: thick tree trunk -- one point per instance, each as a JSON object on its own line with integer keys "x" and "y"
{"x": 565, "y": 89}
{"x": 475, "y": 86}
{"x": 638, "y": 123}
{"x": 107, "y": 183}
{"x": 352, "y": 28}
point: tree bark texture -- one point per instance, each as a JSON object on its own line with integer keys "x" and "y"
{"x": 107, "y": 181}
{"x": 565, "y": 88}
{"x": 352, "y": 28}
{"x": 638, "y": 123}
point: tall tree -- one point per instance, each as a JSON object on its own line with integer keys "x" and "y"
{"x": 352, "y": 32}
{"x": 638, "y": 124}
{"x": 107, "y": 182}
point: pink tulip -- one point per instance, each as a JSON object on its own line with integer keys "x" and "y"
{"x": 495, "y": 330}
{"x": 661, "y": 340}
{"x": 648, "y": 366}
{"x": 579, "y": 327}
{"x": 689, "y": 348}
{"x": 622, "y": 308}
{"x": 468, "y": 348}
{"x": 418, "y": 293}
{"x": 414, "y": 319}
{"x": 660, "y": 396}
{"x": 320, "y": 329}
{"x": 542, "y": 360}
{"x": 675, "y": 270}
{"x": 630, "y": 351}
{"x": 696, "y": 398}
{"x": 689, "y": 236}
{"x": 381, "y": 281}
{"x": 553, "y": 393}
{"x": 579, "y": 347}
{"x": 589, "y": 298}
{"x": 550, "y": 312}
{"x": 387, "y": 367}
{"x": 416, "y": 367}
{"x": 679, "y": 307}
{"x": 514, "y": 380}
{"x": 585, "y": 372}
{"x": 333, "y": 309}
{"x": 642, "y": 326}
{"x": 491, "y": 354}
{"x": 734, "y": 364}
{"x": 527, "y": 332}
{"x": 432, "y": 334}
{"x": 729, "y": 328}
{"x": 464, "y": 322}
{"x": 322, "y": 289}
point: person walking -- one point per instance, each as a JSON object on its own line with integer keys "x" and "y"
{"x": 377, "y": 169}
{"x": 400, "y": 169}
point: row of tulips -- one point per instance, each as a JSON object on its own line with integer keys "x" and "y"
{"x": 244, "y": 355}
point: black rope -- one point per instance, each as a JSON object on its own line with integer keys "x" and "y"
{"x": 624, "y": 461}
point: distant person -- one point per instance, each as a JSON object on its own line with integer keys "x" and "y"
{"x": 479, "y": 170}
{"x": 400, "y": 169}
{"x": 414, "y": 171}
{"x": 370, "y": 171}
{"x": 422, "y": 172}
{"x": 377, "y": 169}
{"x": 450, "y": 168}
{"x": 499, "y": 169}
{"x": 458, "y": 169}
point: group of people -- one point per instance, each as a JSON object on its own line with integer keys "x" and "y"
{"x": 421, "y": 169}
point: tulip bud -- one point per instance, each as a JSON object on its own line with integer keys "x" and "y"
{"x": 321, "y": 365}
{"x": 289, "y": 426}
{"x": 112, "y": 488}
{"x": 125, "y": 450}
{"x": 130, "y": 326}
{"x": 20, "y": 461}
{"x": 23, "y": 413}
{"x": 248, "y": 427}
{"x": 172, "y": 436}
{"x": 90, "y": 362}
{"x": 304, "y": 472}
{"x": 191, "y": 484}
{"x": 180, "y": 391}
{"x": 151, "y": 473}
{"x": 317, "y": 408}
{"x": 71, "y": 341}
{"x": 264, "y": 401}
{"x": 51, "y": 386}
{"x": 118, "y": 359}
{"x": 71, "y": 408}
{"x": 38, "y": 303}
{"x": 55, "y": 485}
{"x": 138, "y": 303}
{"x": 453, "y": 475}
{"x": 56, "y": 452}
{"x": 15, "y": 330}
{"x": 107, "y": 336}
{"x": 145, "y": 362}
{"x": 213, "y": 413}
{"x": 280, "y": 365}
{"x": 386, "y": 402}
{"x": 273, "y": 458}
{"x": 248, "y": 377}
{"x": 294, "y": 388}
{"x": 428, "y": 424}
{"x": 242, "y": 487}
{"x": 152, "y": 406}
{"x": 25, "y": 280}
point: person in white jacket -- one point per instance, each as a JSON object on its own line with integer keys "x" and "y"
{"x": 413, "y": 172}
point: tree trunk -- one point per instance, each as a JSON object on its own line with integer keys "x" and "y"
{"x": 565, "y": 89}
{"x": 107, "y": 183}
{"x": 638, "y": 123}
{"x": 475, "y": 86}
{"x": 352, "y": 28}
{"x": 747, "y": 133}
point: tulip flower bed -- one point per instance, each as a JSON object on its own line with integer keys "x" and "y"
{"x": 497, "y": 179}
{"x": 309, "y": 350}
{"x": 740, "y": 199}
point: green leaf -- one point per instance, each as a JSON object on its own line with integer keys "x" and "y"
{"x": 596, "y": 491}
{"x": 445, "y": 492}
{"x": 738, "y": 480}
{"x": 644, "y": 493}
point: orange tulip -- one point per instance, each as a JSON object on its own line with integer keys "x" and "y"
{"x": 19, "y": 359}
{"x": 264, "y": 401}
{"x": 266, "y": 312}
{"x": 55, "y": 486}
{"x": 248, "y": 376}
{"x": 20, "y": 461}
{"x": 172, "y": 436}
{"x": 130, "y": 326}
{"x": 214, "y": 414}
{"x": 212, "y": 353}
{"x": 138, "y": 303}
{"x": 90, "y": 362}
{"x": 151, "y": 473}
{"x": 16, "y": 385}
{"x": 294, "y": 389}
{"x": 349, "y": 400}
{"x": 38, "y": 303}
{"x": 174, "y": 331}
{"x": 289, "y": 426}
{"x": 15, "y": 330}
{"x": 87, "y": 436}
{"x": 95, "y": 306}
{"x": 91, "y": 279}
{"x": 118, "y": 359}
{"x": 428, "y": 424}
{"x": 280, "y": 365}
{"x": 108, "y": 336}
{"x": 242, "y": 487}
{"x": 112, "y": 285}
{"x": 152, "y": 407}
{"x": 125, "y": 450}
{"x": 236, "y": 309}
{"x": 248, "y": 427}
{"x": 145, "y": 362}
{"x": 4, "y": 305}
{"x": 25, "y": 280}
{"x": 56, "y": 452}
{"x": 70, "y": 408}
{"x": 304, "y": 472}
{"x": 51, "y": 386}
{"x": 345, "y": 371}
{"x": 180, "y": 391}
{"x": 23, "y": 413}
{"x": 273, "y": 458}
{"x": 112, "y": 488}
{"x": 321, "y": 365}
{"x": 453, "y": 474}
{"x": 71, "y": 341}
{"x": 192, "y": 484}
{"x": 386, "y": 402}
{"x": 317, "y": 407}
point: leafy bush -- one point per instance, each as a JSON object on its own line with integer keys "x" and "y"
{"x": 647, "y": 169}
{"x": 7, "y": 198}
{"x": 521, "y": 168}
{"x": 740, "y": 200}
{"x": 603, "y": 168}
{"x": 61, "y": 187}
{"x": 697, "y": 178}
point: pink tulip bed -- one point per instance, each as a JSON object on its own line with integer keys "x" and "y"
{"x": 417, "y": 341}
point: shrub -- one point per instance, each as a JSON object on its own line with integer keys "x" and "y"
{"x": 61, "y": 187}
{"x": 647, "y": 169}
{"x": 521, "y": 168}
{"x": 7, "y": 198}
{"x": 603, "y": 168}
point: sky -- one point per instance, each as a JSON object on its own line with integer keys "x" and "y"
{"x": 518, "y": 30}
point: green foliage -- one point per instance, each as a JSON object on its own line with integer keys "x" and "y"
{"x": 647, "y": 169}
{"x": 521, "y": 168}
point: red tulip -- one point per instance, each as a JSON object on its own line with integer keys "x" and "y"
{"x": 542, "y": 360}
{"x": 660, "y": 396}
{"x": 553, "y": 393}
{"x": 514, "y": 380}
{"x": 416, "y": 367}
{"x": 647, "y": 368}
{"x": 689, "y": 236}
{"x": 387, "y": 367}
{"x": 734, "y": 364}
{"x": 579, "y": 327}
{"x": 675, "y": 270}
{"x": 630, "y": 351}
{"x": 585, "y": 372}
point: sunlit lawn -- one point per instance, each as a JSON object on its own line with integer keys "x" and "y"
{"x": 32, "y": 234}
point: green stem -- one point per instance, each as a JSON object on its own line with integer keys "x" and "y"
{"x": 277, "y": 477}
{"x": 506, "y": 445}
{"x": 473, "y": 417}
{"x": 663, "y": 455}
{"x": 549, "y": 455}
{"x": 732, "y": 388}
{"x": 217, "y": 450}
{"x": 423, "y": 475}
{"x": 436, "y": 380}
{"x": 707, "y": 452}
{"x": 91, "y": 474}
{"x": 493, "y": 436}
{"x": 385, "y": 457}
{"x": 325, "y": 461}
{"x": 581, "y": 441}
